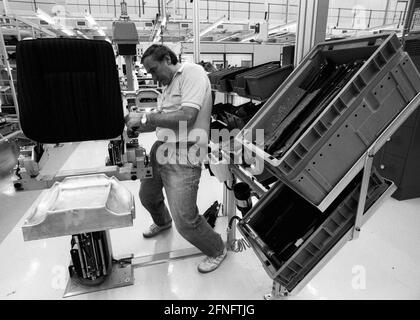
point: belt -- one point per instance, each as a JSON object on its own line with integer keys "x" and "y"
{"x": 178, "y": 144}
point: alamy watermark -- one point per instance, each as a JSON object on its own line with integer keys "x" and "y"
{"x": 190, "y": 146}
{"x": 358, "y": 281}
{"x": 60, "y": 277}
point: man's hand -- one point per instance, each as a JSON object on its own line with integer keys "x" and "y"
{"x": 135, "y": 126}
{"x": 133, "y": 123}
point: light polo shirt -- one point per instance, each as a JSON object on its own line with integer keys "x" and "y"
{"x": 190, "y": 87}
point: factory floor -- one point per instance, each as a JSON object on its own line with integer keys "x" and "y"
{"x": 382, "y": 264}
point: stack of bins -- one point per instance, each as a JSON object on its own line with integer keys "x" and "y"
{"x": 318, "y": 126}
{"x": 316, "y": 133}
{"x": 219, "y": 80}
{"x": 238, "y": 83}
{"x": 262, "y": 82}
{"x": 222, "y": 80}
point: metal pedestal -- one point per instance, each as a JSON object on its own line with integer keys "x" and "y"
{"x": 120, "y": 276}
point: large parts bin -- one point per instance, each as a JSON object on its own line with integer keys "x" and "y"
{"x": 322, "y": 120}
{"x": 291, "y": 237}
{"x": 260, "y": 82}
{"x": 219, "y": 80}
{"x": 235, "y": 117}
{"x": 399, "y": 158}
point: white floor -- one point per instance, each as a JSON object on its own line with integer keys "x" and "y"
{"x": 382, "y": 264}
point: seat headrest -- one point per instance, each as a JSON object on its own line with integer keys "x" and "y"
{"x": 68, "y": 90}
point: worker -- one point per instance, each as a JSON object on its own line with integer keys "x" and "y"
{"x": 177, "y": 155}
{"x": 135, "y": 80}
{"x": 140, "y": 75}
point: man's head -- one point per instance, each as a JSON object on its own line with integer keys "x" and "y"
{"x": 161, "y": 62}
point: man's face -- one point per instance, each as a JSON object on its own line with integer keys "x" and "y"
{"x": 159, "y": 70}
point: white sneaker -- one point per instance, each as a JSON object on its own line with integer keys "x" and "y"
{"x": 154, "y": 229}
{"x": 210, "y": 264}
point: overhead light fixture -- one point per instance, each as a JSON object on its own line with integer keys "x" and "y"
{"x": 51, "y": 21}
{"x": 157, "y": 38}
{"x": 289, "y": 27}
{"x": 92, "y": 22}
{"x": 68, "y": 32}
{"x": 249, "y": 38}
{"x": 384, "y": 27}
{"x": 90, "y": 19}
{"x": 163, "y": 23}
{"x": 45, "y": 16}
{"x": 213, "y": 26}
{"x": 82, "y": 34}
{"x": 101, "y": 32}
{"x": 230, "y": 36}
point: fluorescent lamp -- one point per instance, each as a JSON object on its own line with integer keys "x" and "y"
{"x": 252, "y": 37}
{"x": 68, "y": 32}
{"x": 289, "y": 27}
{"x": 156, "y": 38}
{"x": 90, "y": 19}
{"x": 230, "y": 36}
{"x": 82, "y": 34}
{"x": 213, "y": 26}
{"x": 45, "y": 16}
{"x": 163, "y": 23}
{"x": 217, "y": 23}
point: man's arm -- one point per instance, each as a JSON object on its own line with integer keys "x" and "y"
{"x": 165, "y": 120}
{"x": 171, "y": 120}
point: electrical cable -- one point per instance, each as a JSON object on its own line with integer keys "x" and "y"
{"x": 237, "y": 245}
{"x": 233, "y": 219}
{"x": 227, "y": 187}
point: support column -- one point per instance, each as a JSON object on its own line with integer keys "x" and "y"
{"x": 409, "y": 17}
{"x": 311, "y": 26}
{"x": 6, "y": 7}
{"x": 386, "y": 12}
{"x": 196, "y": 30}
{"x": 129, "y": 72}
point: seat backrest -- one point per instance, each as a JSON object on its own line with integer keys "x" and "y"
{"x": 68, "y": 90}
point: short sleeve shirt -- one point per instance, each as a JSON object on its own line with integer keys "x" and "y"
{"x": 191, "y": 88}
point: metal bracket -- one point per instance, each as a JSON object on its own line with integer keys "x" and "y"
{"x": 229, "y": 209}
{"x": 363, "y": 192}
{"x": 278, "y": 292}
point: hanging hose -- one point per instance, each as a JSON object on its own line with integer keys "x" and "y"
{"x": 239, "y": 245}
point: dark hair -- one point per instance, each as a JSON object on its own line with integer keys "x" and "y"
{"x": 159, "y": 52}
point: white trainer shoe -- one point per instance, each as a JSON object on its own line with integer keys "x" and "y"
{"x": 210, "y": 264}
{"x": 154, "y": 229}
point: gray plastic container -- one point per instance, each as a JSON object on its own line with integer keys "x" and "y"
{"x": 325, "y": 234}
{"x": 345, "y": 129}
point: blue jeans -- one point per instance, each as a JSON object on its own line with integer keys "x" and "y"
{"x": 180, "y": 181}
